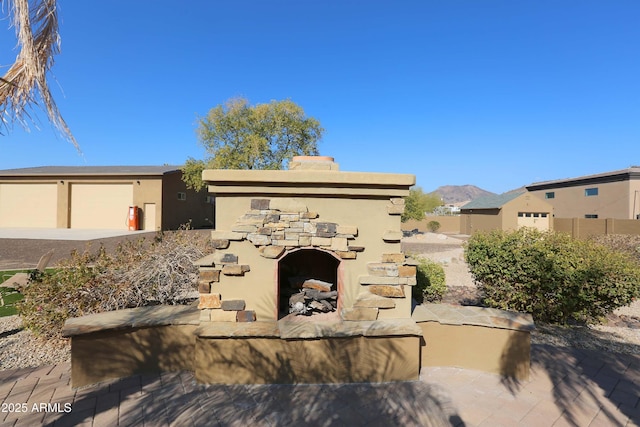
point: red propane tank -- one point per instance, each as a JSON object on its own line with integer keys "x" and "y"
{"x": 133, "y": 218}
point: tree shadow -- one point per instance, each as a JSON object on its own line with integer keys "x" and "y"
{"x": 177, "y": 399}
{"x": 582, "y": 378}
{"x": 10, "y": 332}
{"x": 158, "y": 385}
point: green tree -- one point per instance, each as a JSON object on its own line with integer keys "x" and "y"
{"x": 237, "y": 135}
{"x": 417, "y": 203}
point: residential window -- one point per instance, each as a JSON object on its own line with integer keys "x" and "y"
{"x": 550, "y": 195}
{"x": 520, "y": 214}
{"x": 591, "y": 191}
{"x": 544, "y": 215}
{"x": 591, "y": 216}
{"x": 182, "y": 195}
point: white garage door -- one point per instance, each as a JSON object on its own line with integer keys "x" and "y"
{"x": 100, "y": 205}
{"x": 538, "y": 220}
{"x": 28, "y": 205}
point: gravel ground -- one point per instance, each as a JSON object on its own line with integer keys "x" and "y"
{"x": 20, "y": 348}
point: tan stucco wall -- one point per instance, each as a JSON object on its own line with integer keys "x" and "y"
{"x": 524, "y": 203}
{"x": 334, "y": 360}
{"x": 582, "y": 228}
{"x": 481, "y": 220}
{"x": 146, "y": 189}
{"x": 501, "y": 351}
{"x": 614, "y": 200}
{"x": 310, "y": 182}
{"x": 504, "y": 218}
{"x": 634, "y": 198}
{"x": 258, "y": 287}
{"x": 149, "y": 191}
{"x": 105, "y": 355}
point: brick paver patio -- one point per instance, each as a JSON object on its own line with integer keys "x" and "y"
{"x": 568, "y": 387}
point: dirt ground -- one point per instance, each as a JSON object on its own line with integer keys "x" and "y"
{"x": 447, "y": 250}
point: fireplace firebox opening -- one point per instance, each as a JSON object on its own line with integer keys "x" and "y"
{"x": 308, "y": 283}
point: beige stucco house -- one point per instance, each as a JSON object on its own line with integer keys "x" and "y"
{"x": 613, "y": 194}
{"x": 100, "y": 197}
{"x": 506, "y": 212}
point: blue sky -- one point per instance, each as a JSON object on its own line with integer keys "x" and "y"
{"x": 495, "y": 93}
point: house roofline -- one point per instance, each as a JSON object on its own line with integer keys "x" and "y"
{"x": 631, "y": 173}
{"x": 89, "y": 171}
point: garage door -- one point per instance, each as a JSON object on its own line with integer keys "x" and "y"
{"x": 28, "y": 205}
{"x": 100, "y": 205}
{"x": 538, "y": 220}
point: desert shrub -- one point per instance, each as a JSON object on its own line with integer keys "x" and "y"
{"x": 433, "y": 226}
{"x": 136, "y": 273}
{"x": 431, "y": 284}
{"x": 552, "y": 276}
{"x": 625, "y": 243}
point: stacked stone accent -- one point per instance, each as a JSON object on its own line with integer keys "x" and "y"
{"x": 213, "y": 308}
{"x": 386, "y": 280}
{"x": 274, "y": 226}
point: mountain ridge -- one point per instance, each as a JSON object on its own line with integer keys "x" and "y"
{"x": 452, "y": 194}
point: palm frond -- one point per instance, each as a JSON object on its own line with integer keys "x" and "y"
{"x": 25, "y": 85}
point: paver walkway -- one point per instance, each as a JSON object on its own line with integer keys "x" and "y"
{"x": 568, "y": 387}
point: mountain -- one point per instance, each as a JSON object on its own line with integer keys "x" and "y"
{"x": 460, "y": 193}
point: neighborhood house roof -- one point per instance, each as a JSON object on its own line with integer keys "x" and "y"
{"x": 491, "y": 202}
{"x": 89, "y": 170}
{"x": 632, "y": 172}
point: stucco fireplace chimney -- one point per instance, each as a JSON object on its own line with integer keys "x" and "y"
{"x": 281, "y": 232}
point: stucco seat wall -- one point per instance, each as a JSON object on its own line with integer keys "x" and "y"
{"x": 484, "y": 339}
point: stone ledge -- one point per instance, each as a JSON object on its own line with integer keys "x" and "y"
{"x": 448, "y": 314}
{"x": 157, "y": 315}
{"x": 309, "y": 330}
{"x": 337, "y": 329}
{"x": 237, "y": 330}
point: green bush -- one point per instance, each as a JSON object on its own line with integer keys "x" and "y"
{"x": 433, "y": 226}
{"x": 431, "y": 283}
{"x": 135, "y": 274}
{"x": 551, "y": 276}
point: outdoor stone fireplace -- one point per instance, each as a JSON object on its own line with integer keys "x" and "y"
{"x": 305, "y": 241}
{"x": 307, "y": 284}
